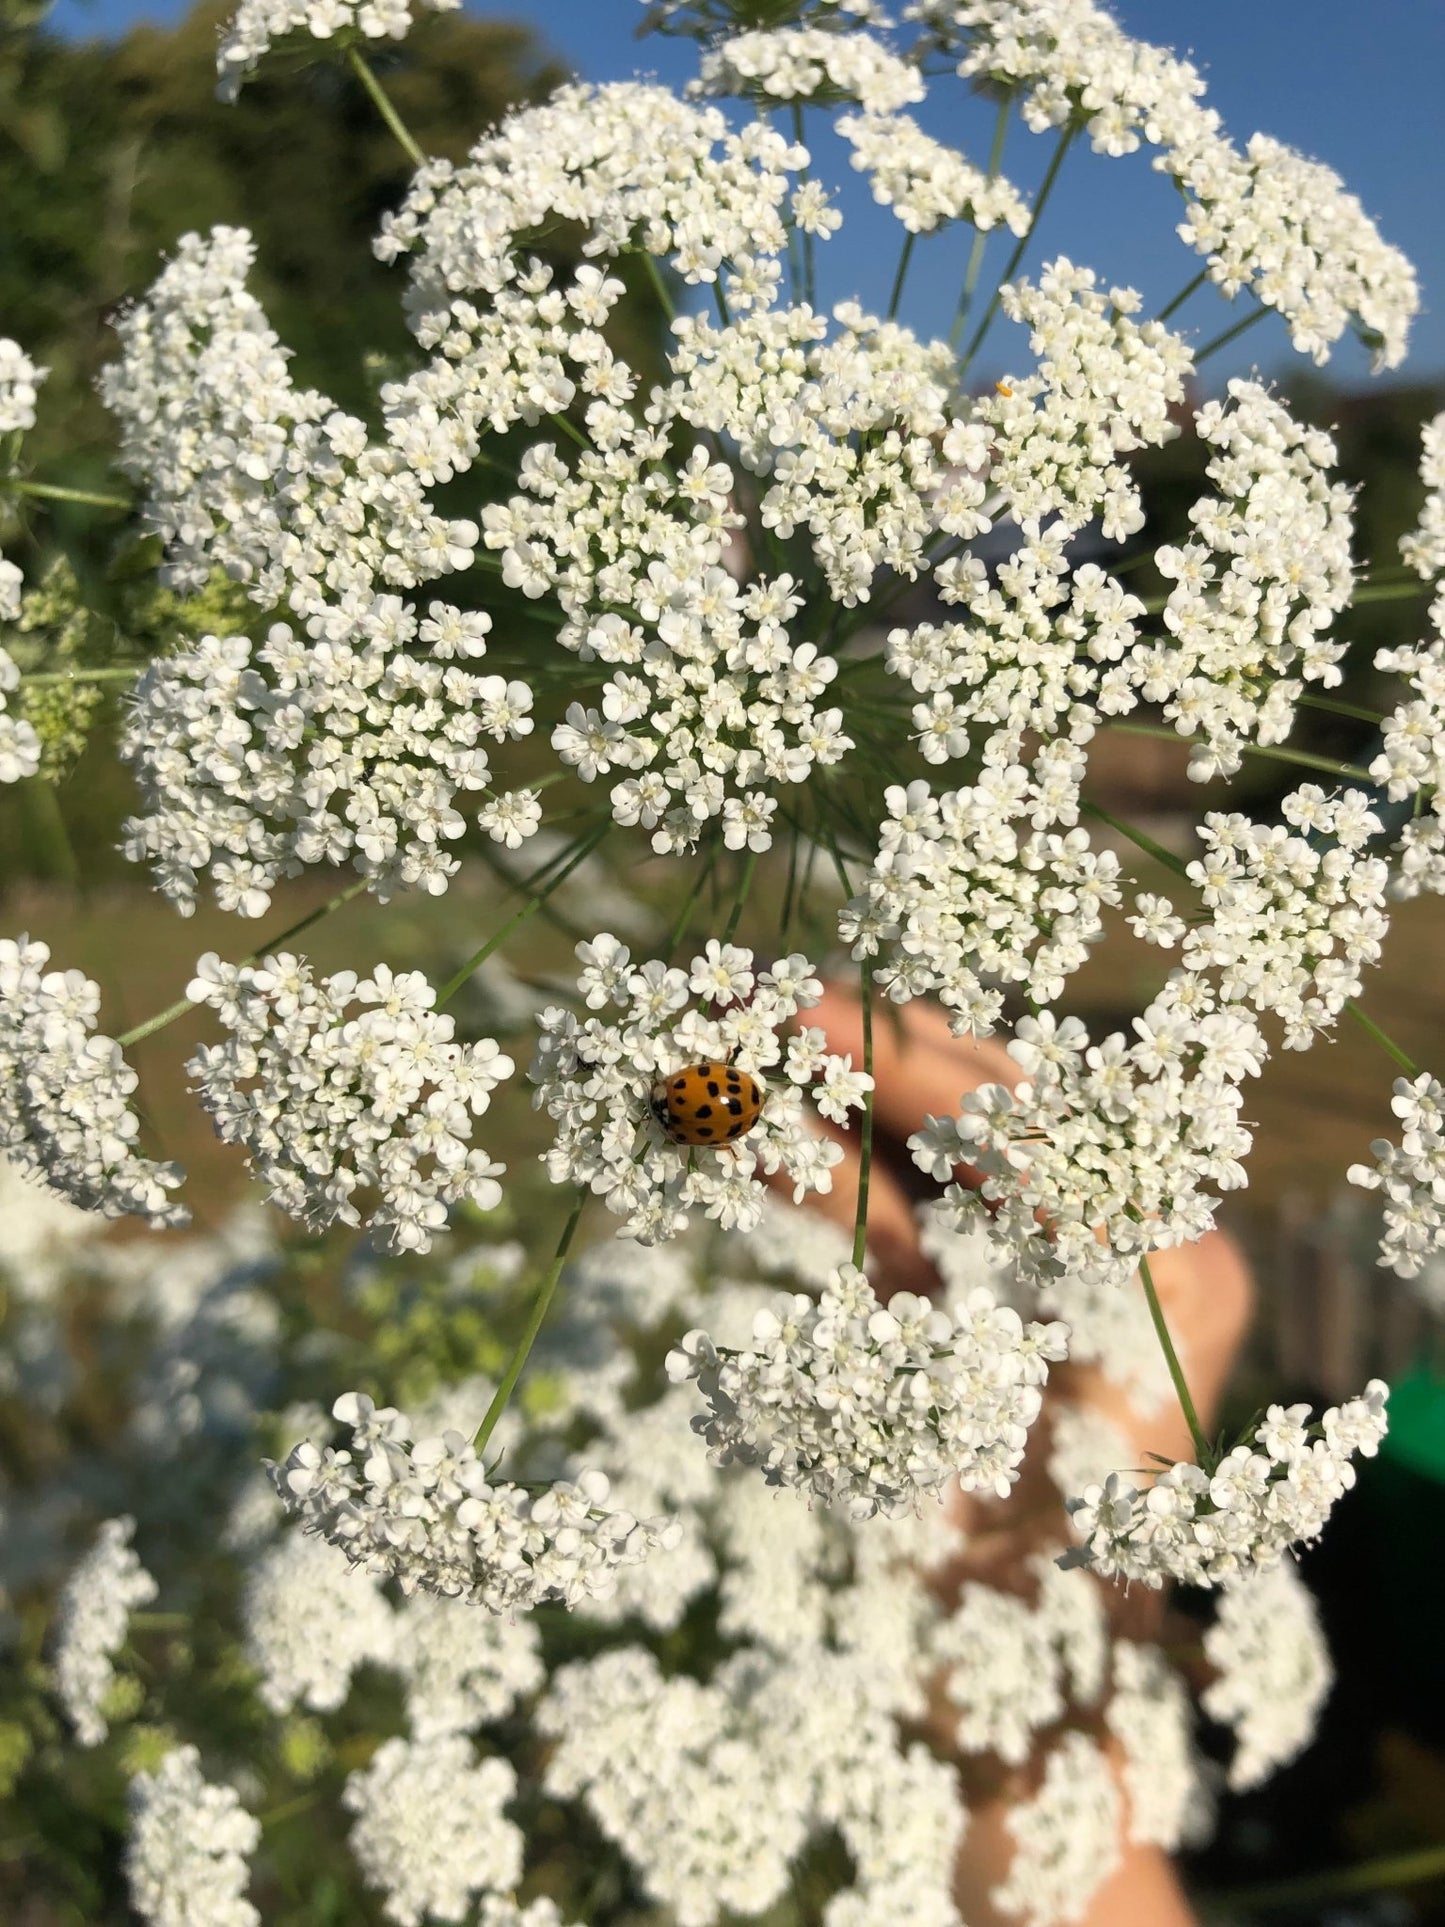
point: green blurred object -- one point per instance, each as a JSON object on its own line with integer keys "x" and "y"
{"x": 1416, "y": 1437}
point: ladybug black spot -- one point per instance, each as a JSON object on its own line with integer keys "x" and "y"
{"x": 714, "y": 1090}
{"x": 734, "y": 1106}
{"x": 703, "y": 1110}
{"x": 735, "y": 1130}
{"x": 679, "y": 1083}
{"x": 704, "y": 1130}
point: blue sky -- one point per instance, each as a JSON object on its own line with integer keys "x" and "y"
{"x": 1359, "y": 86}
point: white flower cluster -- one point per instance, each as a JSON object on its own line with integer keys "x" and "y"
{"x": 595, "y": 1078}
{"x": 1010, "y": 1664}
{"x": 245, "y": 472}
{"x": 1273, "y": 1671}
{"x": 873, "y": 1408}
{"x": 1424, "y": 547}
{"x": 91, "y": 1616}
{"x": 256, "y": 760}
{"x": 65, "y": 1090}
{"x": 1117, "y": 1136}
{"x": 430, "y": 1830}
{"x": 712, "y": 1790}
{"x": 847, "y": 430}
{"x": 1165, "y": 1779}
{"x": 1265, "y": 218}
{"x": 257, "y": 23}
{"x": 20, "y": 378}
{"x": 1206, "y": 1528}
{"x": 1290, "y": 923}
{"x": 185, "y": 1859}
{"x": 971, "y": 892}
{"x": 1413, "y": 758}
{"x": 1411, "y": 1176}
{"x": 1284, "y": 226}
{"x": 801, "y": 63}
{"x": 430, "y": 1515}
{"x": 331, "y": 1101}
{"x": 1412, "y": 763}
{"x": 1066, "y": 1838}
{"x": 926, "y": 182}
{"x": 19, "y": 744}
{"x": 1105, "y": 387}
{"x": 632, "y": 165}
{"x": 1043, "y": 646}
{"x": 1258, "y": 587}
{"x": 1070, "y": 57}
{"x": 463, "y": 1668}
{"x": 299, "y": 1583}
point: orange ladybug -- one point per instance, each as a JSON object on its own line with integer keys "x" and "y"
{"x": 707, "y": 1104}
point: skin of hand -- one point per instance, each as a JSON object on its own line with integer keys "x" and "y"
{"x": 921, "y": 1069}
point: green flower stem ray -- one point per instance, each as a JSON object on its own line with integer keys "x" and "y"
{"x": 1299, "y": 758}
{"x": 53, "y": 492}
{"x": 535, "y": 1318}
{"x": 178, "y": 1009}
{"x": 745, "y": 883}
{"x": 1391, "y": 1870}
{"x": 1386, "y": 1042}
{"x": 1176, "y": 1370}
{"x": 528, "y": 910}
{"x": 1066, "y": 141}
{"x": 365, "y": 73}
{"x": 1190, "y": 288}
{"x": 980, "y": 238}
{"x": 1231, "y": 334}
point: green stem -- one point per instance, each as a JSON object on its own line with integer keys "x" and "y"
{"x": 809, "y": 264}
{"x": 53, "y": 492}
{"x": 1139, "y": 838}
{"x": 1332, "y": 708}
{"x": 534, "y": 1324}
{"x": 664, "y": 293}
{"x": 529, "y": 909}
{"x": 46, "y": 820}
{"x": 158, "y": 1622}
{"x": 80, "y": 673}
{"x": 1176, "y": 1370}
{"x": 902, "y": 275}
{"x": 361, "y": 67}
{"x": 1387, "y": 1044}
{"x": 1388, "y": 592}
{"x": 865, "y": 1140}
{"x": 1066, "y": 141}
{"x": 980, "y": 238}
{"x": 1183, "y": 295}
{"x": 1392, "y": 1870}
{"x": 744, "y": 885}
{"x": 684, "y": 916}
{"x": 183, "y": 1004}
{"x": 289, "y": 1809}
{"x": 1300, "y": 758}
{"x": 1231, "y": 334}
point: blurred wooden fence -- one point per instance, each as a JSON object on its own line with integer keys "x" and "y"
{"x": 1329, "y": 1317}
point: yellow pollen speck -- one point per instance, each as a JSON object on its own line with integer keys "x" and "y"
{"x": 1004, "y": 389}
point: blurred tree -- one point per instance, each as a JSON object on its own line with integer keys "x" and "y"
{"x": 109, "y": 151}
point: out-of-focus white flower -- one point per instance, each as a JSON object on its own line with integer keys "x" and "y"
{"x": 91, "y": 1616}
{"x": 1273, "y": 1671}
{"x": 330, "y": 1100}
{"x": 65, "y": 1091}
{"x": 1212, "y": 1528}
{"x": 185, "y": 1859}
